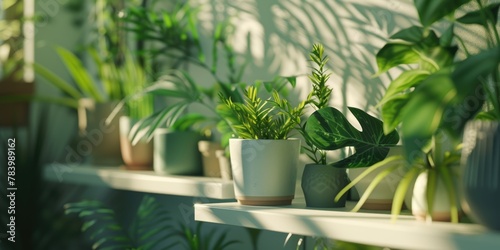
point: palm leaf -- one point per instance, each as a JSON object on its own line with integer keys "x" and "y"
{"x": 80, "y": 74}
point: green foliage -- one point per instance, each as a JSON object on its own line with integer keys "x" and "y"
{"x": 173, "y": 30}
{"x": 437, "y": 91}
{"x": 86, "y": 86}
{"x": 193, "y": 239}
{"x": 152, "y": 228}
{"x": 103, "y": 230}
{"x": 261, "y": 119}
{"x": 328, "y": 129}
{"x": 319, "y": 77}
{"x": 177, "y": 36}
{"x": 126, "y": 79}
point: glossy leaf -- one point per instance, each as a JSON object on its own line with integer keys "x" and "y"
{"x": 394, "y": 54}
{"x": 403, "y": 83}
{"x": 329, "y": 129}
{"x": 430, "y": 11}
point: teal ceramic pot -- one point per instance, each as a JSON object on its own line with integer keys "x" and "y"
{"x": 176, "y": 153}
{"x": 322, "y": 183}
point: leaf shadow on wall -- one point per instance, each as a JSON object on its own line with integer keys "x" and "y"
{"x": 277, "y": 35}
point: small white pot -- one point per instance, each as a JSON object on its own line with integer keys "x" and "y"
{"x": 264, "y": 171}
{"x": 441, "y": 205}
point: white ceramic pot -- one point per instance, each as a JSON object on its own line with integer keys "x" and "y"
{"x": 382, "y": 196}
{"x": 264, "y": 171}
{"x": 138, "y": 156}
{"x": 441, "y": 207}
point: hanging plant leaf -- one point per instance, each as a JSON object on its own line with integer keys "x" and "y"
{"x": 329, "y": 129}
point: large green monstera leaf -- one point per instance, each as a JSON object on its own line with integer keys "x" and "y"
{"x": 328, "y": 129}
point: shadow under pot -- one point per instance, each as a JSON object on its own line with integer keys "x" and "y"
{"x": 321, "y": 183}
{"x": 138, "y": 156}
{"x": 176, "y": 152}
{"x": 264, "y": 171}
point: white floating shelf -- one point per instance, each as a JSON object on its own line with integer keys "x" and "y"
{"x": 141, "y": 181}
{"x": 362, "y": 227}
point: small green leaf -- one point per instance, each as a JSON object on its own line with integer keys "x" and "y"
{"x": 292, "y": 80}
{"x": 413, "y": 34}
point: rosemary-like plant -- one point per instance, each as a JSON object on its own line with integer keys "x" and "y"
{"x": 318, "y": 98}
{"x": 273, "y": 118}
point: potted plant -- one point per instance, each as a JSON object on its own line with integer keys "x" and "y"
{"x": 263, "y": 157}
{"x": 442, "y": 92}
{"x": 133, "y": 78}
{"x": 328, "y": 129}
{"x": 320, "y": 182}
{"x": 92, "y": 105}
